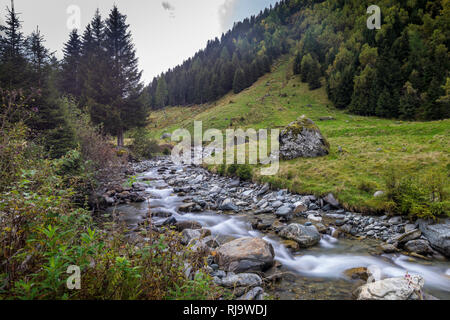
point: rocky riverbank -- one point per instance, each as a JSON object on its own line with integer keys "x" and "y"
{"x": 299, "y": 221}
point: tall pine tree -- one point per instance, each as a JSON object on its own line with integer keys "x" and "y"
{"x": 70, "y": 81}
{"x": 111, "y": 79}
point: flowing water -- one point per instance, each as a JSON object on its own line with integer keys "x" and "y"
{"x": 315, "y": 273}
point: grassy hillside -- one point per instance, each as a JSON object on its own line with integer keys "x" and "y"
{"x": 371, "y": 146}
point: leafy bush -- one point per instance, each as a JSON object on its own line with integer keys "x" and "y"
{"x": 222, "y": 169}
{"x": 99, "y": 155}
{"x": 42, "y": 233}
{"x": 232, "y": 169}
{"x": 421, "y": 198}
{"x": 244, "y": 172}
{"x": 143, "y": 146}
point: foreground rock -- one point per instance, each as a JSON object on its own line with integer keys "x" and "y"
{"x": 305, "y": 236}
{"x": 392, "y": 289}
{"x": 245, "y": 254}
{"x": 240, "y": 280}
{"x": 302, "y": 138}
{"x": 438, "y": 235}
{"x": 419, "y": 246}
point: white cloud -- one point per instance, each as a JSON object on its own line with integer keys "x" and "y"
{"x": 169, "y": 7}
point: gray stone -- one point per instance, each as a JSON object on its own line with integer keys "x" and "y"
{"x": 284, "y": 212}
{"x": 438, "y": 235}
{"x": 241, "y": 280}
{"x": 331, "y": 200}
{"x": 392, "y": 289}
{"x": 395, "y": 220}
{"x": 305, "y": 236}
{"x": 302, "y": 138}
{"x": 189, "y": 234}
{"x": 245, "y": 254}
{"x": 408, "y": 236}
{"x": 419, "y": 246}
{"x": 389, "y": 248}
{"x": 378, "y": 194}
{"x": 228, "y": 205}
{"x": 277, "y": 204}
{"x": 182, "y": 225}
{"x": 253, "y": 294}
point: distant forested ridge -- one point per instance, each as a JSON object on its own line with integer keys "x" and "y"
{"x": 399, "y": 71}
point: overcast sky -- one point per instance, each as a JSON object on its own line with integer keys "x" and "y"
{"x": 165, "y": 32}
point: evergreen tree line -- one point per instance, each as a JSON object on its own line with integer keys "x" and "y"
{"x": 233, "y": 63}
{"x": 99, "y": 71}
{"x": 399, "y": 71}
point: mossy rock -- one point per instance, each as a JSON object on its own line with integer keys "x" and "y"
{"x": 302, "y": 138}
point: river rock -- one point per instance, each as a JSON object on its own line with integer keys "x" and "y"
{"x": 378, "y": 194}
{"x": 331, "y": 200}
{"x": 245, "y": 254}
{"x": 357, "y": 273}
{"x": 186, "y": 207}
{"x": 284, "y": 212}
{"x": 395, "y": 220}
{"x": 392, "y": 289}
{"x": 305, "y": 236}
{"x": 389, "y": 248}
{"x": 438, "y": 235}
{"x": 408, "y": 236}
{"x": 189, "y": 234}
{"x": 314, "y": 218}
{"x": 253, "y": 294}
{"x": 182, "y": 225}
{"x": 419, "y": 246}
{"x": 228, "y": 205}
{"x": 300, "y": 208}
{"x": 302, "y": 138}
{"x": 241, "y": 280}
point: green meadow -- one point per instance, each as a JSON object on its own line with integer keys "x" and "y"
{"x": 364, "y": 150}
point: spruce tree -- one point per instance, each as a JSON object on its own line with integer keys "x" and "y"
{"x": 70, "y": 75}
{"x": 126, "y": 87}
{"x": 239, "y": 82}
{"x": 314, "y": 75}
{"x": 13, "y": 62}
{"x": 161, "y": 93}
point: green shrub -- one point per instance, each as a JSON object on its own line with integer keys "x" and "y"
{"x": 42, "y": 233}
{"x": 222, "y": 169}
{"x": 143, "y": 146}
{"x": 232, "y": 169}
{"x": 367, "y": 186}
{"x": 244, "y": 171}
{"x": 419, "y": 198}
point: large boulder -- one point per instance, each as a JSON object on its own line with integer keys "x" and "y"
{"x": 438, "y": 235}
{"x": 305, "y": 236}
{"x": 302, "y": 138}
{"x": 401, "y": 288}
{"x": 245, "y": 254}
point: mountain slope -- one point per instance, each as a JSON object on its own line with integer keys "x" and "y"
{"x": 399, "y": 71}
{"x": 371, "y": 146}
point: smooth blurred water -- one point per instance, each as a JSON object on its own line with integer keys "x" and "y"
{"x": 325, "y": 263}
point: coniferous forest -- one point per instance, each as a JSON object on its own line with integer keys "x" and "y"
{"x": 99, "y": 70}
{"x": 399, "y": 72}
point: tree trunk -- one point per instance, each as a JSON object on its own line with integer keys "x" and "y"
{"x": 120, "y": 138}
